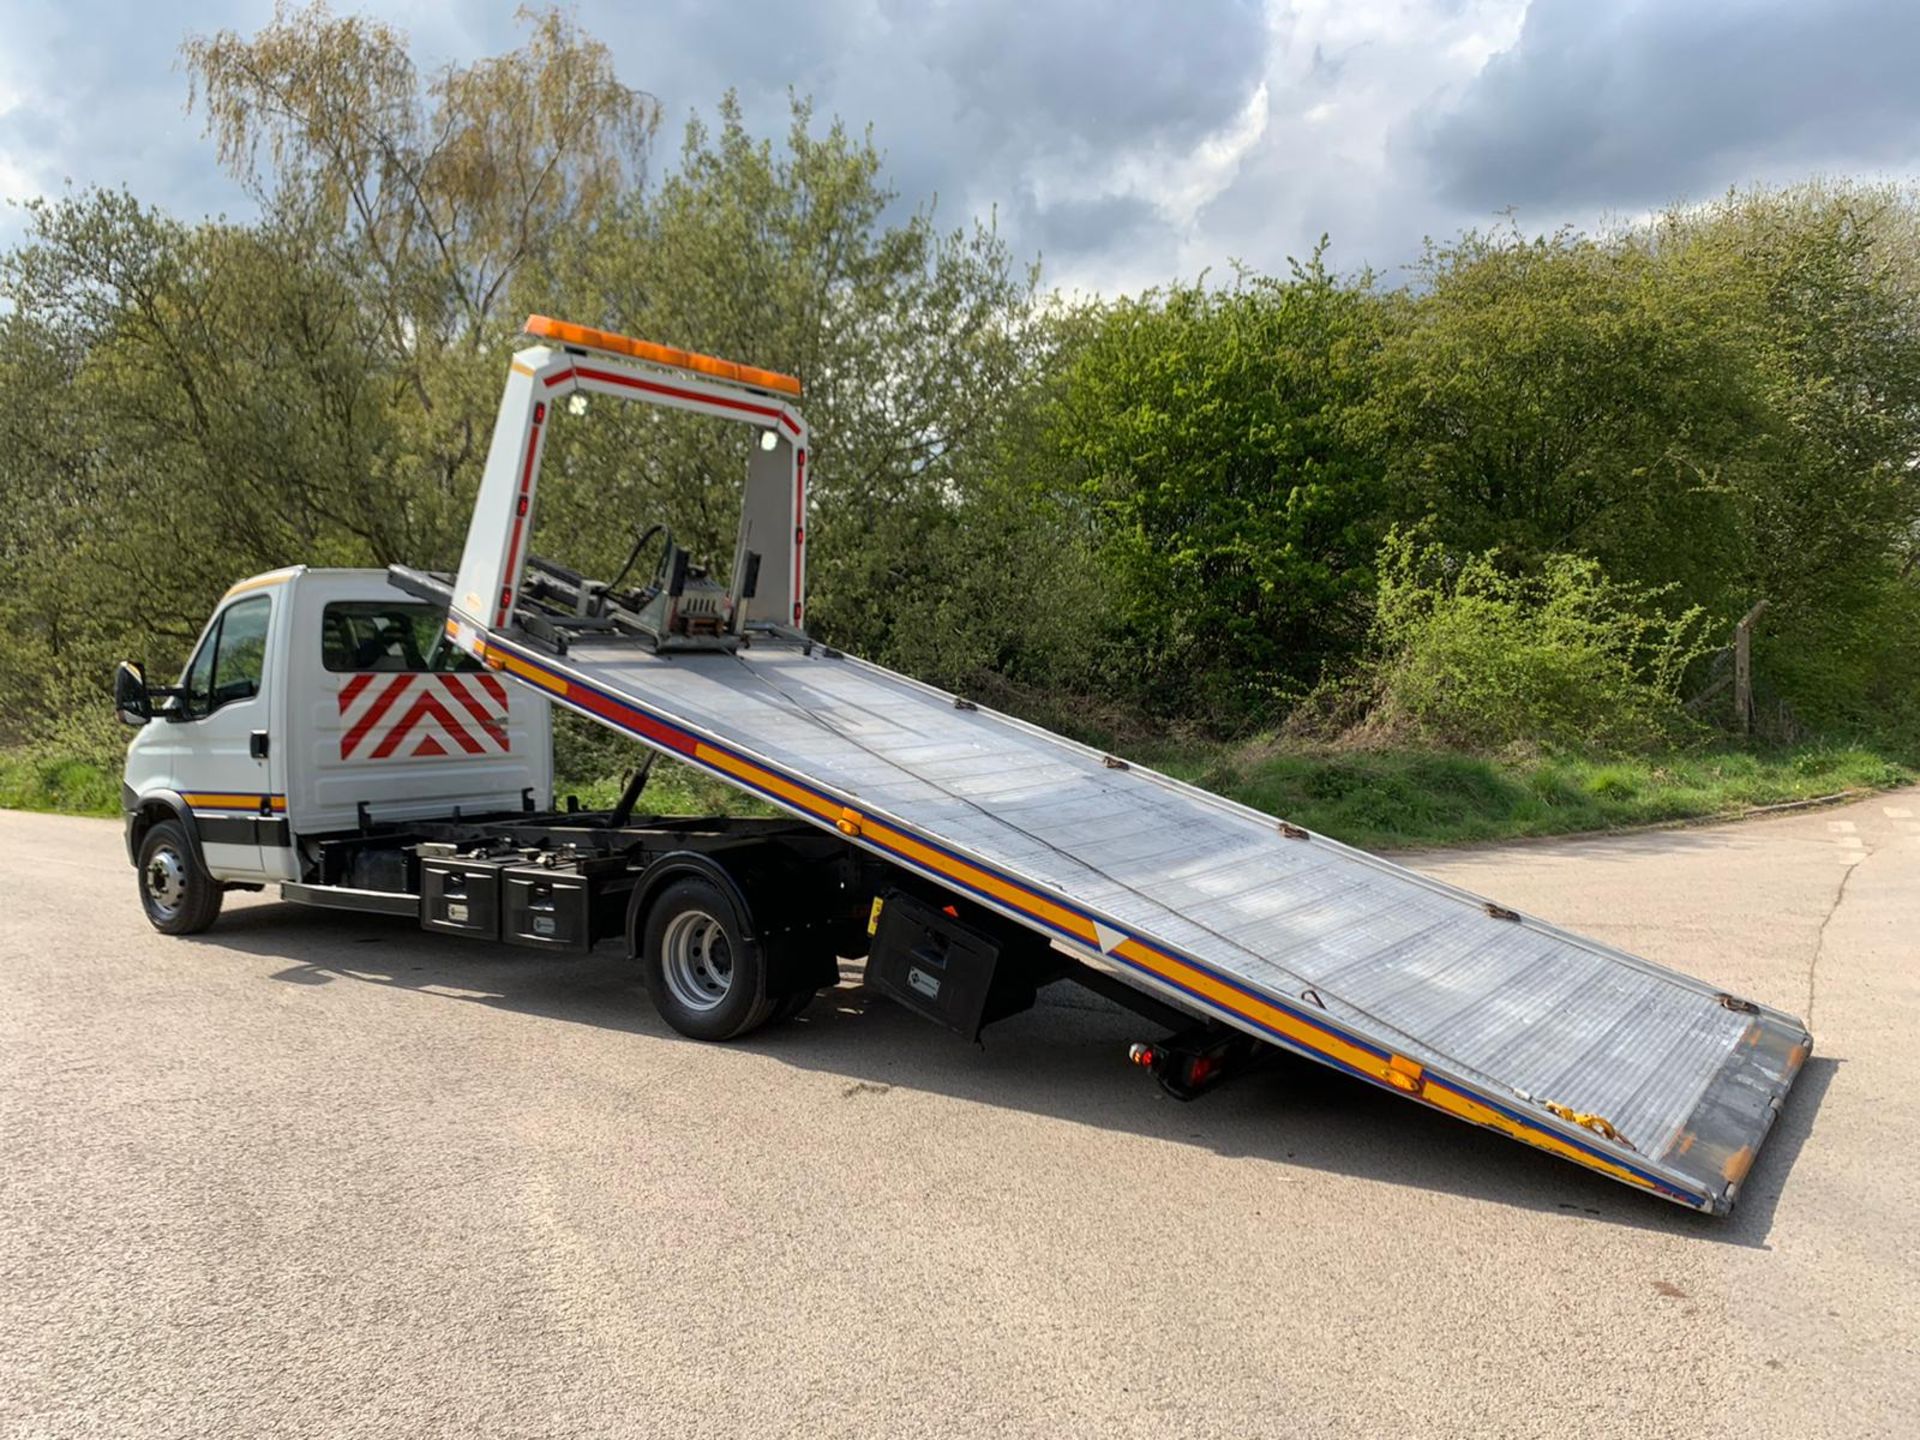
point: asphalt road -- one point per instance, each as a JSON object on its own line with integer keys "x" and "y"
{"x": 311, "y": 1175}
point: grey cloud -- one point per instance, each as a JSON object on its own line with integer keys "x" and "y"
{"x": 1099, "y": 72}
{"x": 1076, "y": 228}
{"x": 1626, "y": 105}
{"x": 27, "y": 132}
{"x": 974, "y": 102}
{"x": 102, "y": 102}
{"x": 1063, "y": 115}
{"x": 971, "y": 102}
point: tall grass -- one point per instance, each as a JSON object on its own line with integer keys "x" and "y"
{"x": 1404, "y": 798}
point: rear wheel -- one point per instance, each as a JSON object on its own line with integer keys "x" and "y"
{"x": 180, "y": 898}
{"x": 706, "y": 981}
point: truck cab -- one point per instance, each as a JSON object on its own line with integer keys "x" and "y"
{"x": 328, "y": 738}
{"x": 318, "y": 702}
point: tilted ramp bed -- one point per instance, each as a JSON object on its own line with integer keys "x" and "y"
{"x": 1644, "y": 1074}
{"x": 1648, "y": 1076}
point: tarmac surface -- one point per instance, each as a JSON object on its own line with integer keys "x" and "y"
{"x": 308, "y": 1174}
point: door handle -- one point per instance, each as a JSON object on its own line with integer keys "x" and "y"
{"x": 257, "y": 744}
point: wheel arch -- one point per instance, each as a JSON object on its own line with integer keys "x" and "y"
{"x": 146, "y": 811}
{"x": 680, "y": 865}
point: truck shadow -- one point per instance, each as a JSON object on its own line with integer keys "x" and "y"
{"x": 1065, "y": 1059}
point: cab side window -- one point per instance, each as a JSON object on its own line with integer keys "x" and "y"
{"x": 357, "y": 636}
{"x": 232, "y": 659}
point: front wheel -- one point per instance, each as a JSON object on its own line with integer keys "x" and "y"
{"x": 180, "y": 898}
{"x": 707, "y": 982}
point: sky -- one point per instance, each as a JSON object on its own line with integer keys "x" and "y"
{"x": 1124, "y": 144}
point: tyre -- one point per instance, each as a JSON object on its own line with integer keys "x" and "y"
{"x": 180, "y": 898}
{"x": 706, "y": 981}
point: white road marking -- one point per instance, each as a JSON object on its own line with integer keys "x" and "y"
{"x": 1896, "y": 812}
{"x": 1843, "y": 827}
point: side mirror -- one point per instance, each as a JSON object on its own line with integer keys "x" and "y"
{"x": 131, "y": 701}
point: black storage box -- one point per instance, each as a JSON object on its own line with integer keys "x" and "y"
{"x": 385, "y": 868}
{"x": 956, "y": 975}
{"x": 460, "y": 895}
{"x": 548, "y": 907}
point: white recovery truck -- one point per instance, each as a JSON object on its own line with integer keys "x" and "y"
{"x": 379, "y": 742}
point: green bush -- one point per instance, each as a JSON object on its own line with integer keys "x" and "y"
{"x": 43, "y": 780}
{"x": 1563, "y": 658}
{"x": 1852, "y": 669}
{"x": 1232, "y": 502}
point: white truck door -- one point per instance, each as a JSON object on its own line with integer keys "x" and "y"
{"x": 222, "y": 768}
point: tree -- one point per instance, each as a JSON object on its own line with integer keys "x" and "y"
{"x": 1169, "y": 503}
{"x": 183, "y": 406}
{"x": 1828, "y": 301}
{"x": 1725, "y": 398}
{"x": 1211, "y": 432}
{"x": 434, "y": 196}
{"x": 1568, "y": 394}
{"x": 317, "y": 386}
{"x": 910, "y": 342}
{"x": 1826, "y": 280}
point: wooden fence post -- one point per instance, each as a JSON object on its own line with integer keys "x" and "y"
{"x": 1743, "y": 668}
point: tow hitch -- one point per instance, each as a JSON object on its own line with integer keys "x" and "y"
{"x": 1192, "y": 1062}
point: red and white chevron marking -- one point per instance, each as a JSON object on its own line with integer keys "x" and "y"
{"x": 416, "y": 717}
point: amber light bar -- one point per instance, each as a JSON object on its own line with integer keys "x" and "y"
{"x": 590, "y": 339}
